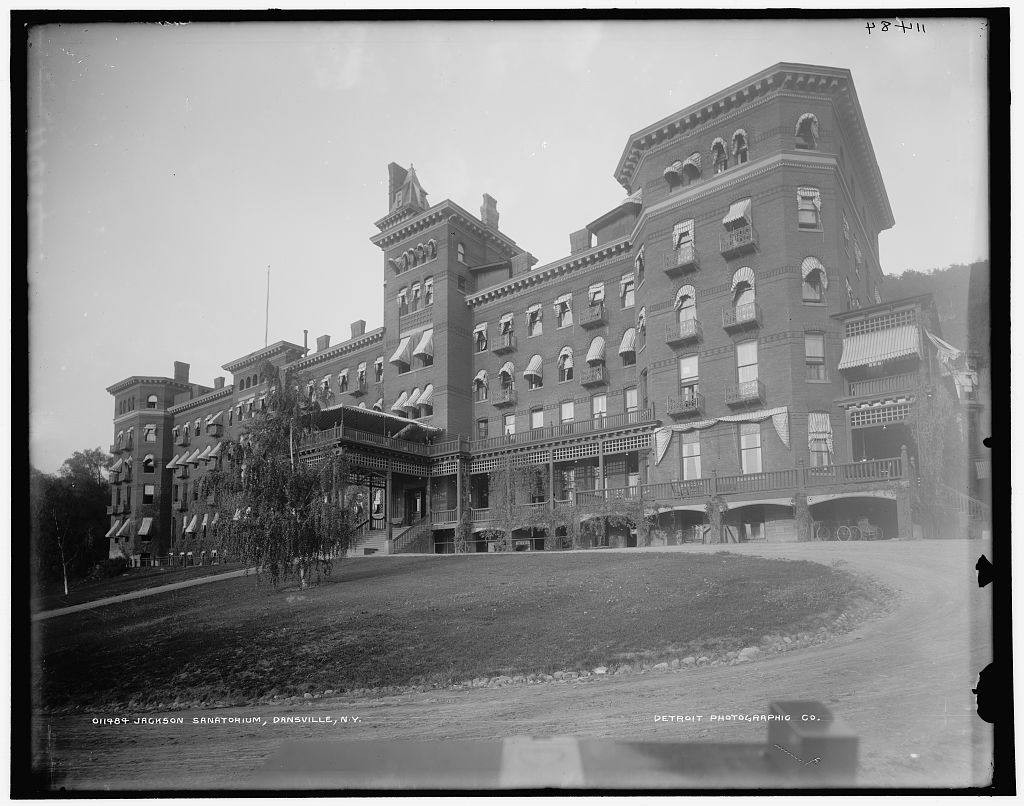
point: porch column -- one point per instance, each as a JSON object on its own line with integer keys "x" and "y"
{"x": 458, "y": 485}
{"x": 430, "y": 496}
{"x": 388, "y": 491}
{"x": 600, "y": 465}
{"x": 551, "y": 482}
{"x": 906, "y": 488}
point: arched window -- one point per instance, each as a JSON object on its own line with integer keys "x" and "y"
{"x": 431, "y": 249}
{"x": 428, "y": 291}
{"x": 641, "y": 328}
{"x": 719, "y": 156}
{"x": 565, "y": 364}
{"x": 815, "y": 280}
{"x": 403, "y": 302}
{"x": 148, "y": 463}
{"x": 480, "y": 337}
{"x": 690, "y": 171}
{"x": 151, "y": 401}
{"x": 743, "y": 294}
{"x": 807, "y": 131}
{"x": 480, "y": 385}
{"x": 739, "y": 146}
{"x": 686, "y": 306}
{"x": 197, "y": 427}
{"x": 507, "y": 377}
{"x": 414, "y": 301}
{"x": 460, "y": 252}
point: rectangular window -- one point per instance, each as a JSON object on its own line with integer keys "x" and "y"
{"x": 599, "y": 406}
{"x": 814, "y": 352}
{"x": 688, "y": 380}
{"x": 630, "y": 397}
{"x": 460, "y": 282}
{"x": 690, "y": 455}
{"x": 628, "y": 291}
{"x": 481, "y": 341}
{"x": 534, "y": 327}
{"x": 536, "y": 418}
{"x": 564, "y": 314}
{"x": 150, "y": 433}
{"x": 746, "y": 361}
{"x": 682, "y": 234}
{"x": 567, "y": 412}
{"x": 809, "y": 208}
{"x": 509, "y": 424}
{"x": 148, "y": 493}
{"x": 481, "y": 429}
{"x": 534, "y": 381}
{"x": 750, "y": 447}
{"x": 195, "y": 492}
{"x": 174, "y": 494}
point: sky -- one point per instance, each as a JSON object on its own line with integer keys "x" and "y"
{"x": 170, "y": 165}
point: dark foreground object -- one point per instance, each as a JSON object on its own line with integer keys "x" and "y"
{"x": 812, "y": 749}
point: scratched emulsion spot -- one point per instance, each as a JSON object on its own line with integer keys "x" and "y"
{"x": 986, "y": 571}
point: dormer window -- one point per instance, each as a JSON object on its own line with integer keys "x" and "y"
{"x": 807, "y": 131}
{"x": 739, "y": 146}
{"x": 719, "y": 156}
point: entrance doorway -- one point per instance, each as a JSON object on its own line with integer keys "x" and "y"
{"x": 415, "y": 505}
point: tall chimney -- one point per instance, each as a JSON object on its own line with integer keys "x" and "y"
{"x": 323, "y": 342}
{"x": 218, "y": 382}
{"x": 489, "y": 212}
{"x": 305, "y": 341}
{"x": 521, "y": 263}
{"x": 358, "y": 328}
{"x": 181, "y": 371}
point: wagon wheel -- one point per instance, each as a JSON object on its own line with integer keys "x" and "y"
{"x": 856, "y": 533}
{"x": 843, "y": 533}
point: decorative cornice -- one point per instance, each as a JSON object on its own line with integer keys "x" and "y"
{"x": 340, "y": 349}
{"x": 202, "y": 400}
{"x": 266, "y": 352}
{"x": 134, "y": 380}
{"x": 551, "y": 271}
{"x": 446, "y": 209}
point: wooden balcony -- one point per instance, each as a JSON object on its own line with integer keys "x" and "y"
{"x": 740, "y": 394}
{"x": 455, "y": 445}
{"x": 444, "y": 517}
{"x": 740, "y": 317}
{"x": 684, "y": 332}
{"x": 593, "y": 316}
{"x": 683, "y": 260}
{"x": 504, "y": 343}
{"x": 890, "y": 383}
{"x": 679, "y": 490}
{"x": 344, "y": 433}
{"x": 594, "y": 376}
{"x": 758, "y": 482}
{"x": 738, "y": 241}
{"x": 875, "y": 470}
{"x": 612, "y": 422}
{"x": 505, "y": 397}
{"x": 685, "y": 406}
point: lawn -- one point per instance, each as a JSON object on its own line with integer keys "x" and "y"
{"x": 51, "y": 596}
{"x": 424, "y": 620}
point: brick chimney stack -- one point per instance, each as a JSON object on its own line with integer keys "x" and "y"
{"x": 358, "y": 328}
{"x": 323, "y": 342}
{"x": 181, "y": 371}
{"x": 218, "y": 382}
{"x": 489, "y": 212}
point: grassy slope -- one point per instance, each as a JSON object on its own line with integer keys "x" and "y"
{"x": 410, "y": 620}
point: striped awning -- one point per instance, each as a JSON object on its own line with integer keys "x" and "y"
{"x": 743, "y": 275}
{"x": 191, "y": 525}
{"x": 237, "y": 515}
{"x": 144, "y": 529}
{"x": 341, "y": 374}
{"x": 412, "y": 401}
{"x": 879, "y": 346}
{"x": 735, "y": 139}
{"x": 693, "y": 160}
{"x": 533, "y": 309}
{"x": 718, "y": 141}
{"x": 125, "y": 528}
{"x": 566, "y": 356}
{"x": 362, "y": 405}
{"x": 738, "y": 215}
{"x": 216, "y": 517}
{"x": 535, "y": 367}
{"x": 508, "y": 368}
{"x": 399, "y": 404}
{"x": 361, "y": 369}
{"x": 628, "y": 343}
{"x": 811, "y": 264}
{"x": 116, "y": 466}
{"x": 114, "y": 528}
{"x": 425, "y": 346}
{"x": 683, "y": 293}
{"x": 206, "y": 520}
{"x": 215, "y": 419}
{"x": 401, "y": 355}
{"x": 627, "y": 278}
{"x": 427, "y": 398}
{"x": 819, "y": 430}
{"x": 481, "y": 376}
{"x": 595, "y": 355}
{"x": 674, "y": 169}
{"x": 505, "y": 317}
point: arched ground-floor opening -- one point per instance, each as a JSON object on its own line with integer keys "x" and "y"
{"x": 674, "y": 527}
{"x": 869, "y": 515}
{"x": 759, "y": 522}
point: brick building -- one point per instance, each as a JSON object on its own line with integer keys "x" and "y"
{"x": 717, "y": 339}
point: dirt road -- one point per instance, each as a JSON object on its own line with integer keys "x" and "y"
{"x": 902, "y": 682}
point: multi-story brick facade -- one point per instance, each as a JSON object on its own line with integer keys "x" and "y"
{"x": 717, "y": 338}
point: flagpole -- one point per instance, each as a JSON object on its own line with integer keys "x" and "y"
{"x": 266, "y": 321}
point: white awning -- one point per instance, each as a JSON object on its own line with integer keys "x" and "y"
{"x": 879, "y": 346}
{"x": 401, "y": 355}
{"x": 412, "y": 401}
{"x": 216, "y": 517}
{"x": 215, "y": 419}
{"x": 480, "y": 328}
{"x": 378, "y": 361}
{"x": 361, "y": 368}
{"x": 508, "y": 368}
{"x": 595, "y": 355}
{"x": 641, "y": 317}
{"x": 565, "y": 299}
{"x": 743, "y": 275}
{"x": 172, "y": 464}
{"x": 628, "y": 343}
{"x": 535, "y": 367}
{"x": 125, "y": 528}
{"x": 191, "y": 525}
{"x": 683, "y": 293}
{"x": 626, "y": 279}
{"x": 206, "y": 453}
{"x": 116, "y": 466}
{"x": 596, "y": 292}
{"x": 341, "y": 374}
{"x": 425, "y": 347}
{"x": 206, "y": 520}
{"x": 507, "y": 317}
{"x": 399, "y": 404}
{"x": 194, "y": 458}
{"x": 813, "y": 264}
{"x": 238, "y": 515}
{"x": 361, "y": 405}
{"x": 427, "y": 398}
{"x": 533, "y": 309}
{"x": 114, "y": 528}
{"x": 738, "y": 215}
{"x": 481, "y": 376}
{"x": 144, "y": 529}
{"x": 379, "y": 405}
{"x": 216, "y": 451}
{"x": 566, "y": 355}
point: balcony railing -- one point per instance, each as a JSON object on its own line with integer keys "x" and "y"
{"x": 872, "y": 470}
{"x": 505, "y": 343}
{"x": 685, "y": 406}
{"x": 594, "y": 376}
{"x": 593, "y": 316}
{"x": 757, "y": 482}
{"x": 341, "y": 433}
{"x": 443, "y": 517}
{"x": 456, "y": 445}
{"x": 481, "y": 514}
{"x": 683, "y": 259}
{"x": 682, "y": 332}
{"x": 741, "y": 316}
{"x": 565, "y": 429}
{"x": 675, "y": 490}
{"x": 737, "y": 394}
{"x": 505, "y": 397}
{"x": 592, "y": 498}
{"x": 738, "y": 241}
{"x": 890, "y": 383}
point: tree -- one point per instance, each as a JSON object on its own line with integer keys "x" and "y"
{"x": 275, "y": 511}
{"x": 87, "y": 464}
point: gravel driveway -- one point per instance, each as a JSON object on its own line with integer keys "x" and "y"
{"x": 902, "y": 682}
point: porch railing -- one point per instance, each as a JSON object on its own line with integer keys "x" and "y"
{"x": 873, "y": 470}
{"x": 874, "y": 386}
{"x": 565, "y": 429}
{"x": 757, "y": 482}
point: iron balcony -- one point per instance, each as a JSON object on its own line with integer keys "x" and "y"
{"x": 688, "y": 330}
{"x": 683, "y": 260}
